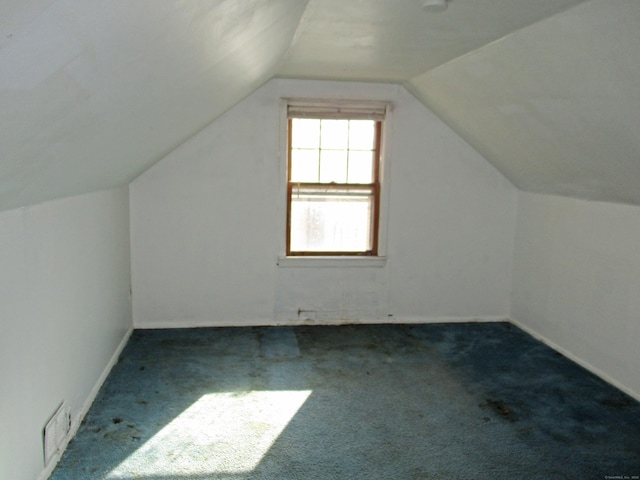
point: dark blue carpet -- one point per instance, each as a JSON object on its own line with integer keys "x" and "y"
{"x": 444, "y": 401}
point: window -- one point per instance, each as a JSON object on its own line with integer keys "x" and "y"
{"x": 333, "y": 179}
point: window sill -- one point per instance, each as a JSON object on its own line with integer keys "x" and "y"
{"x": 337, "y": 261}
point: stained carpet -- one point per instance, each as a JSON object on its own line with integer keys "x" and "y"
{"x": 444, "y": 401}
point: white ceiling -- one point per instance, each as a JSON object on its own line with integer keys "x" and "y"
{"x": 556, "y": 106}
{"x": 94, "y": 92}
{"x": 395, "y": 40}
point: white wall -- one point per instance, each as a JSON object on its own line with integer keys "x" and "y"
{"x": 208, "y": 225}
{"x": 576, "y": 282}
{"x": 65, "y": 309}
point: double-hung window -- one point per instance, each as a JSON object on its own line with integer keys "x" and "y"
{"x": 333, "y": 178}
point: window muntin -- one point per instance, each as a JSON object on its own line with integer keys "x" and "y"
{"x": 333, "y": 187}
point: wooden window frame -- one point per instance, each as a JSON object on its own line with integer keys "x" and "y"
{"x": 374, "y": 186}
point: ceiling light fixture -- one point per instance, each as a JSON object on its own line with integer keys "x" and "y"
{"x": 435, "y": 5}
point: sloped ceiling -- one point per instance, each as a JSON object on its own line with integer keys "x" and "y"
{"x": 94, "y": 92}
{"x": 555, "y": 106}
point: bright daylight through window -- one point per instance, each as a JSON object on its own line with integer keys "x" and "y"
{"x": 333, "y": 188}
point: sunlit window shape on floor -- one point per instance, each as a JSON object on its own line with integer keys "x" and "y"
{"x": 221, "y": 433}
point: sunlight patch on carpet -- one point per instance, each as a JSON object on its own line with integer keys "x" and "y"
{"x": 226, "y": 432}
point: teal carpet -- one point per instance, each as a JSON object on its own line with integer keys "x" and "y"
{"x": 446, "y": 401}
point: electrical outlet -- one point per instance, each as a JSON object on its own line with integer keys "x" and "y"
{"x": 307, "y": 315}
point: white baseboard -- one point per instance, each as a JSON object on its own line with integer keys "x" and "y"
{"x": 202, "y": 324}
{"x": 265, "y": 322}
{"x": 76, "y": 419}
{"x": 574, "y": 358}
{"x": 480, "y": 319}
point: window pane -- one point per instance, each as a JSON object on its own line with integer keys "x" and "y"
{"x": 331, "y": 221}
{"x": 361, "y": 134}
{"x": 305, "y": 165}
{"x": 360, "y": 167}
{"x": 306, "y": 133}
{"x": 333, "y": 166}
{"x": 335, "y": 134}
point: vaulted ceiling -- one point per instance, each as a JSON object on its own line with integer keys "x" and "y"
{"x": 93, "y": 92}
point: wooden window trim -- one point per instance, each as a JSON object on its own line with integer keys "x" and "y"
{"x": 374, "y": 186}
